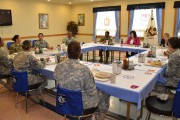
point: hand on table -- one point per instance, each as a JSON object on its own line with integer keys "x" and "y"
{"x": 50, "y": 48}
{"x": 47, "y": 59}
{"x": 166, "y": 53}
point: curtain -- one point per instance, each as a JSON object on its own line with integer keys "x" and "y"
{"x": 177, "y": 4}
{"x": 146, "y": 6}
{"x": 108, "y": 8}
{"x": 131, "y": 20}
{"x": 159, "y": 23}
{"x": 94, "y": 33}
{"x": 177, "y": 27}
{"x": 117, "y": 18}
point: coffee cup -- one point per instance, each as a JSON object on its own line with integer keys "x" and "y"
{"x": 113, "y": 79}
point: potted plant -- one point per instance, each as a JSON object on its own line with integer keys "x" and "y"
{"x": 72, "y": 27}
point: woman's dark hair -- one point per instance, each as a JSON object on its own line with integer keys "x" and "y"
{"x": 1, "y": 44}
{"x": 174, "y": 42}
{"x": 40, "y": 34}
{"x": 74, "y": 50}
{"x": 107, "y": 32}
{"x": 15, "y": 38}
{"x": 134, "y": 33}
{"x": 26, "y": 45}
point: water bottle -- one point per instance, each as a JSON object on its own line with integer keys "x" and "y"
{"x": 121, "y": 42}
{"x": 36, "y": 50}
{"x": 59, "y": 48}
{"x": 40, "y": 50}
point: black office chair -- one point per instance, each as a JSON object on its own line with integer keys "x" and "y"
{"x": 171, "y": 107}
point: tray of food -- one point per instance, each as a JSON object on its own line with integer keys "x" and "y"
{"x": 155, "y": 63}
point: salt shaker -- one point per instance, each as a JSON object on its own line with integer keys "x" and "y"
{"x": 131, "y": 65}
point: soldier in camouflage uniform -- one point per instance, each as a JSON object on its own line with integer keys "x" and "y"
{"x": 68, "y": 39}
{"x": 110, "y": 42}
{"x": 70, "y": 74}
{"x": 24, "y": 61}
{"x": 16, "y": 46}
{"x": 41, "y": 43}
{"x": 172, "y": 73}
{"x": 5, "y": 63}
{"x": 5, "y": 67}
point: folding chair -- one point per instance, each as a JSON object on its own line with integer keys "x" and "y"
{"x": 69, "y": 102}
{"x": 21, "y": 86}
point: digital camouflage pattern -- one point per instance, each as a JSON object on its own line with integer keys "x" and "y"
{"x": 172, "y": 73}
{"x": 67, "y": 40}
{"x": 24, "y": 61}
{"x": 5, "y": 63}
{"x": 110, "y": 40}
{"x": 15, "y": 48}
{"x": 41, "y": 44}
{"x": 72, "y": 75}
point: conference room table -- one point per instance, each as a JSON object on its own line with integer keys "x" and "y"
{"x": 132, "y": 86}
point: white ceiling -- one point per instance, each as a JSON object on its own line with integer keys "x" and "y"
{"x": 74, "y": 1}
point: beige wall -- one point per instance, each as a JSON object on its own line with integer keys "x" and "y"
{"x": 25, "y": 19}
{"x": 87, "y": 10}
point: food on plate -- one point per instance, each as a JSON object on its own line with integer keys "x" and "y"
{"x": 156, "y": 63}
{"x": 103, "y": 75}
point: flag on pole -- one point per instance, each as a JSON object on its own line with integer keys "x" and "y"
{"x": 151, "y": 28}
{"x": 150, "y": 36}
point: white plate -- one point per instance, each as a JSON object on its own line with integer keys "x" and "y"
{"x": 148, "y": 64}
{"x": 100, "y": 79}
{"x": 44, "y": 49}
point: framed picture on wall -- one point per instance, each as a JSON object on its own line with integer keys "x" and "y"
{"x": 43, "y": 21}
{"x": 81, "y": 19}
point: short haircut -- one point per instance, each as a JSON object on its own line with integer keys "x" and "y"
{"x": 107, "y": 32}
{"x": 174, "y": 42}
{"x": 134, "y": 33}
{"x": 40, "y": 34}
{"x": 26, "y": 44}
{"x": 74, "y": 50}
{"x": 69, "y": 32}
{"x": 167, "y": 34}
{"x": 15, "y": 38}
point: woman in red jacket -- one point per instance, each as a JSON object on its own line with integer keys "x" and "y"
{"x": 133, "y": 40}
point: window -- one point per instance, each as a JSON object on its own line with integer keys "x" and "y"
{"x": 179, "y": 34}
{"x": 106, "y": 22}
{"x": 141, "y": 20}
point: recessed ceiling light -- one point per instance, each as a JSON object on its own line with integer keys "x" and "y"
{"x": 91, "y": 0}
{"x": 48, "y": 0}
{"x": 70, "y": 2}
